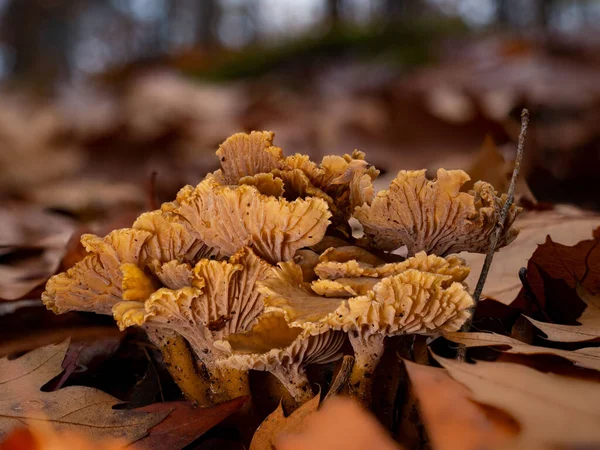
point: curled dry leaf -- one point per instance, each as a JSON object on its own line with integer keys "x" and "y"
{"x": 586, "y": 357}
{"x": 277, "y": 425}
{"x": 535, "y": 400}
{"x": 85, "y": 410}
{"x": 589, "y": 320}
{"x": 32, "y": 244}
{"x": 434, "y": 216}
{"x": 452, "y": 421}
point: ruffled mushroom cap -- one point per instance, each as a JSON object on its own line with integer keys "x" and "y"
{"x": 94, "y": 283}
{"x": 450, "y": 265}
{"x": 171, "y": 238}
{"x": 271, "y": 345}
{"x": 229, "y": 218}
{"x": 434, "y": 216}
{"x": 221, "y": 300}
{"x": 243, "y": 155}
{"x": 411, "y": 301}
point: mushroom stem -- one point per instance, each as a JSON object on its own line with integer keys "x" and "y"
{"x": 180, "y": 364}
{"x": 368, "y": 349}
{"x": 228, "y": 383}
{"x": 294, "y": 379}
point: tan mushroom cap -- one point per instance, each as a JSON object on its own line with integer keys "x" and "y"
{"x": 265, "y": 183}
{"x": 173, "y": 274}
{"x": 271, "y": 344}
{"x": 229, "y": 218}
{"x": 222, "y": 300}
{"x": 409, "y": 302}
{"x": 434, "y": 216}
{"x": 94, "y": 283}
{"x": 244, "y": 155}
{"x": 450, "y": 265}
{"x": 172, "y": 238}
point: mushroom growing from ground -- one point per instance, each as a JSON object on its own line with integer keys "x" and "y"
{"x": 271, "y": 345}
{"x": 220, "y": 300}
{"x": 197, "y": 273}
{"x": 409, "y": 301}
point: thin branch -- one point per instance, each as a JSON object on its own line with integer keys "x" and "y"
{"x": 499, "y": 226}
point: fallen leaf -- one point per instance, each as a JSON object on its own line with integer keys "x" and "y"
{"x": 85, "y": 410}
{"x": 32, "y": 243}
{"x": 340, "y": 425}
{"x": 277, "y": 425}
{"x": 452, "y": 420}
{"x": 552, "y": 410}
{"x": 586, "y": 357}
{"x": 567, "y": 225}
{"x": 185, "y": 423}
{"x": 589, "y": 320}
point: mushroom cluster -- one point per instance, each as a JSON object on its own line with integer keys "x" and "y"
{"x": 256, "y": 267}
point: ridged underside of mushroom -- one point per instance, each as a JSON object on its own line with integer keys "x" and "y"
{"x": 409, "y": 302}
{"x": 434, "y": 216}
{"x": 229, "y": 218}
{"x": 271, "y": 344}
{"x": 222, "y": 299}
{"x": 94, "y": 283}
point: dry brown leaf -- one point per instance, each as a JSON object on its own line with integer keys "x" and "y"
{"x": 586, "y": 357}
{"x": 340, "y": 425}
{"x": 590, "y": 322}
{"x": 453, "y": 422}
{"x": 32, "y": 244}
{"x": 566, "y": 225}
{"x": 85, "y": 410}
{"x": 277, "y": 425}
{"x": 552, "y": 410}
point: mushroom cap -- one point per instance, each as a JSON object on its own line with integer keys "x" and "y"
{"x": 94, "y": 283}
{"x": 271, "y": 344}
{"x": 173, "y": 274}
{"x": 450, "y": 265}
{"x": 409, "y": 302}
{"x": 434, "y": 216}
{"x": 245, "y": 154}
{"x": 172, "y": 238}
{"x": 221, "y": 300}
{"x": 229, "y": 218}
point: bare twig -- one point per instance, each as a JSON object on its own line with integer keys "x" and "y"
{"x": 499, "y": 227}
{"x": 341, "y": 378}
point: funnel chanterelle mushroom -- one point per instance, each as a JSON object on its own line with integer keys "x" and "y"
{"x": 429, "y": 299}
{"x": 194, "y": 272}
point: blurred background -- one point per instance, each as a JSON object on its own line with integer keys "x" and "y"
{"x": 108, "y": 107}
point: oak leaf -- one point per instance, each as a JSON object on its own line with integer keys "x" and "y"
{"x": 81, "y": 409}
